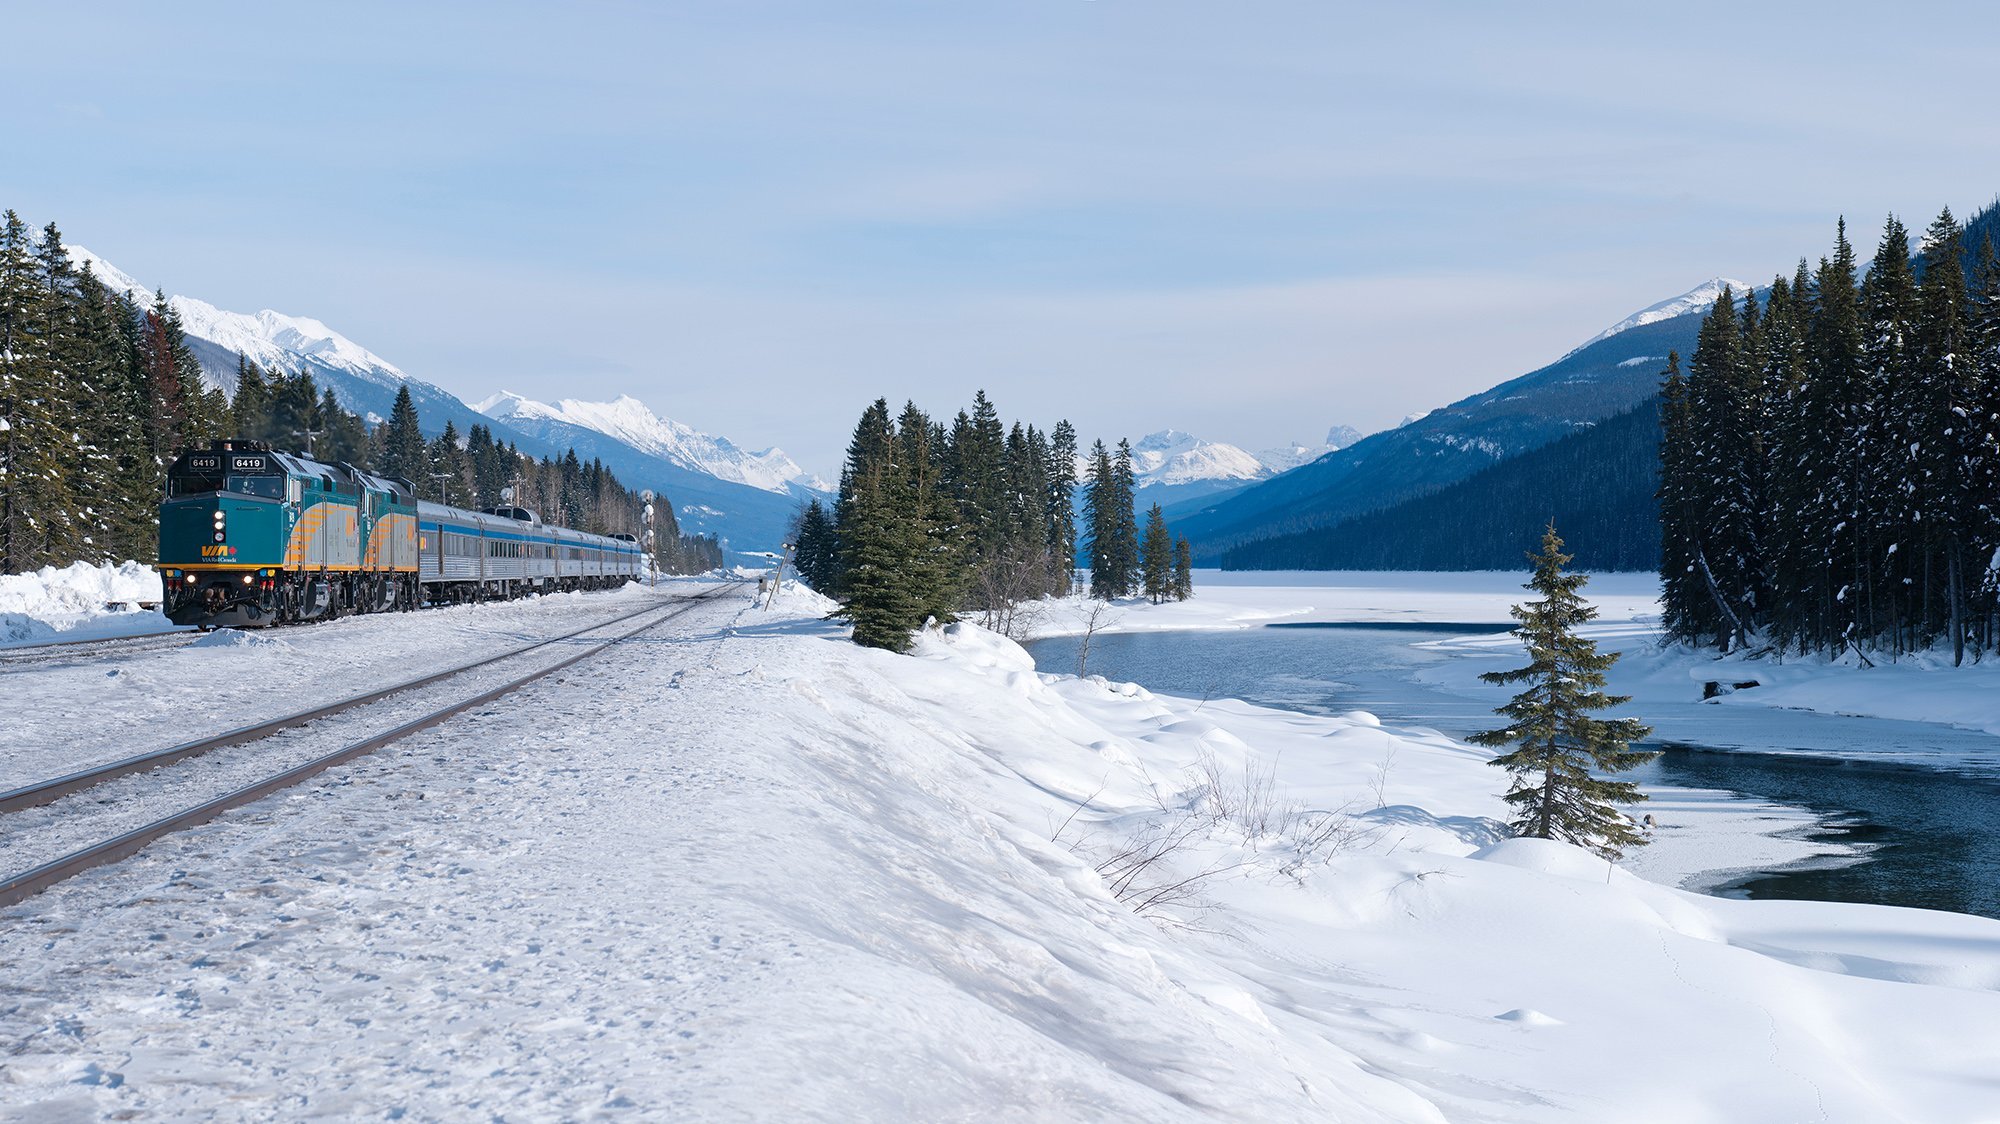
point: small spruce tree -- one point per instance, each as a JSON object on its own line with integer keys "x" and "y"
{"x": 1156, "y": 557}
{"x": 1556, "y": 740}
{"x": 1183, "y": 570}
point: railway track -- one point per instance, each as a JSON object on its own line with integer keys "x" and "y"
{"x": 51, "y": 651}
{"x": 61, "y": 827}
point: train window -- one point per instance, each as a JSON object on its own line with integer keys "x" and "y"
{"x": 269, "y": 487}
{"x": 190, "y": 485}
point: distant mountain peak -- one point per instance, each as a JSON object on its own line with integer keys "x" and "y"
{"x": 631, "y": 421}
{"x": 1287, "y": 457}
{"x": 1694, "y": 300}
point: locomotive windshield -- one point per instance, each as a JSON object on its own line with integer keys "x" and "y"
{"x": 197, "y": 484}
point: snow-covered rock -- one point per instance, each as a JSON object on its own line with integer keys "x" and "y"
{"x": 629, "y": 420}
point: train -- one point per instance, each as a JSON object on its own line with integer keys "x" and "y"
{"x": 251, "y": 536}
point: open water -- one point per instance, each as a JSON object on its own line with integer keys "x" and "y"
{"x": 1923, "y": 799}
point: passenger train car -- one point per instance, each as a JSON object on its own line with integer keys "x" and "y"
{"x": 250, "y": 536}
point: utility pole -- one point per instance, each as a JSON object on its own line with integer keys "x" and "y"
{"x": 441, "y": 477}
{"x": 646, "y": 517}
{"x": 778, "y": 579}
{"x": 308, "y": 433}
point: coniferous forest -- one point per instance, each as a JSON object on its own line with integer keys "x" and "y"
{"x": 1830, "y": 462}
{"x": 99, "y": 393}
{"x": 935, "y": 521}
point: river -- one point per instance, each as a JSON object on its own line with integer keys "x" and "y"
{"x": 1928, "y": 830}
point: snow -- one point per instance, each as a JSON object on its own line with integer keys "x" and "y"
{"x": 79, "y": 601}
{"x": 1236, "y": 599}
{"x": 629, "y": 420}
{"x": 1698, "y": 299}
{"x": 745, "y": 870}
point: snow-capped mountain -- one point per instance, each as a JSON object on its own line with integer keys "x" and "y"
{"x": 629, "y": 420}
{"x": 268, "y": 339}
{"x": 1291, "y": 456}
{"x": 1697, "y": 299}
{"x": 1171, "y": 457}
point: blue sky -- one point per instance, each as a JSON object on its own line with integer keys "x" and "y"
{"x": 1250, "y": 221}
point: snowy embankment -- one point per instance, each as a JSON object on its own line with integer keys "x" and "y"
{"x": 746, "y": 870}
{"x": 79, "y": 602}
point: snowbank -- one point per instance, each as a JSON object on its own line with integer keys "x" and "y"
{"x": 79, "y": 601}
{"x": 747, "y": 870}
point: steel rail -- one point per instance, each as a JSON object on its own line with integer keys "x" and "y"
{"x": 42, "y": 792}
{"x": 29, "y": 883}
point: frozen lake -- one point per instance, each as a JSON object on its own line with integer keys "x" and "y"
{"x": 1927, "y": 827}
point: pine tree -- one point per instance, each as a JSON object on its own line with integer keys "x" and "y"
{"x": 403, "y": 453}
{"x": 1100, "y": 509}
{"x": 448, "y": 460}
{"x": 1556, "y": 740}
{"x": 127, "y": 493}
{"x": 1157, "y": 557}
{"x": 813, "y": 547}
{"x": 1183, "y": 570}
{"x": 1125, "y": 541}
{"x": 878, "y": 543}
{"x": 1687, "y": 612}
{"x": 34, "y": 495}
{"x": 1059, "y": 506}
{"x": 1883, "y": 469}
{"x": 250, "y": 408}
{"x": 1944, "y": 397}
{"x": 1724, "y": 478}
{"x": 1835, "y": 461}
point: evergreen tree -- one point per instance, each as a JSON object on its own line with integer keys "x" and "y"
{"x": 1183, "y": 570}
{"x": 1556, "y": 741}
{"x": 403, "y": 453}
{"x": 1944, "y": 397}
{"x": 448, "y": 460}
{"x": 1687, "y": 613}
{"x": 1834, "y": 461}
{"x": 879, "y": 544}
{"x": 1156, "y": 554}
{"x": 1125, "y": 542}
{"x": 127, "y": 492}
{"x": 1059, "y": 506}
{"x": 250, "y": 408}
{"x": 1883, "y": 469}
{"x": 813, "y": 547}
{"x": 34, "y": 494}
{"x": 1724, "y": 477}
{"x": 1100, "y": 508}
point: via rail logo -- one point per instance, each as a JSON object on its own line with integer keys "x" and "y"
{"x": 218, "y": 552}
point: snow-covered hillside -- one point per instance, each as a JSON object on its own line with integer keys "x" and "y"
{"x": 1696, "y": 299}
{"x": 269, "y": 339}
{"x": 629, "y": 420}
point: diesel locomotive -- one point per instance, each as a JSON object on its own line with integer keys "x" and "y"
{"x": 251, "y": 536}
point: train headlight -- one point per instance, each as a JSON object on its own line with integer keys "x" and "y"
{"x": 218, "y": 518}
{"x": 247, "y": 578}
